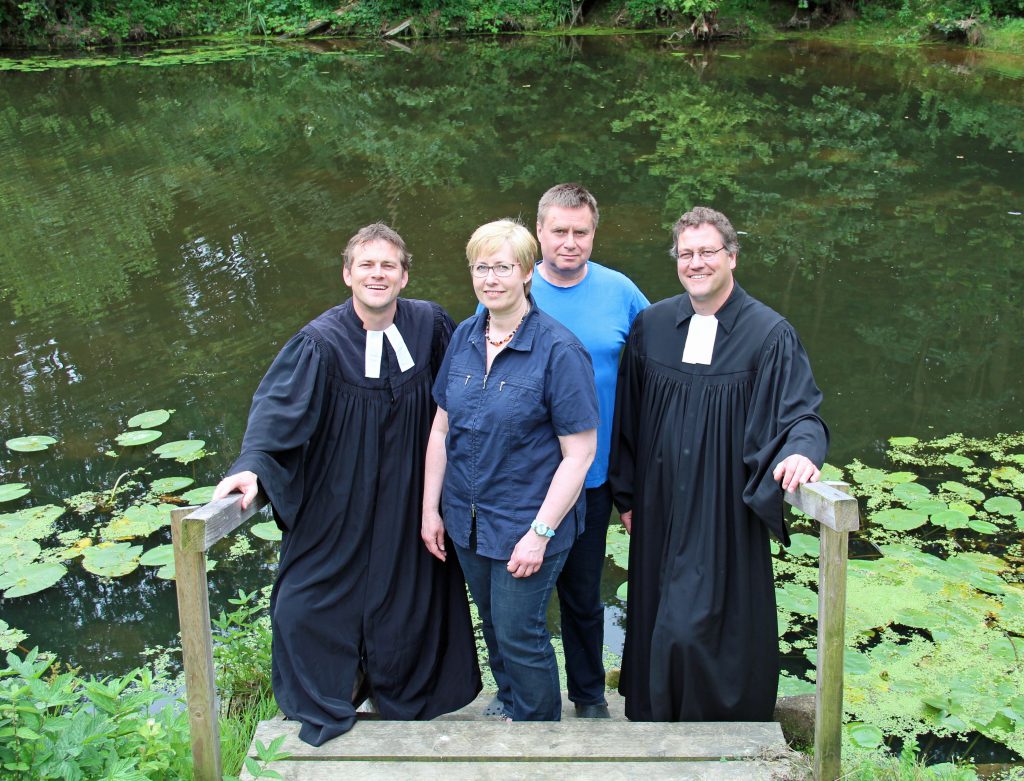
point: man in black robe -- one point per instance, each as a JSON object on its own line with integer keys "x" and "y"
{"x": 336, "y": 439}
{"x": 716, "y": 414}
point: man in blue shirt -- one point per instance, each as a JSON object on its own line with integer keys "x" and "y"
{"x": 598, "y": 305}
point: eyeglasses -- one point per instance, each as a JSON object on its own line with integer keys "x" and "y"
{"x": 481, "y": 270}
{"x": 705, "y": 254}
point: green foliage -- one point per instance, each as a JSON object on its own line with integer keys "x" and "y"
{"x": 242, "y": 651}
{"x": 656, "y": 12}
{"x": 62, "y": 726}
{"x": 906, "y": 767}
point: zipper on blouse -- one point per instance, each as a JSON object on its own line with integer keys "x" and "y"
{"x": 472, "y": 527}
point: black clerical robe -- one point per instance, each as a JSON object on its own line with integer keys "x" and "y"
{"x": 693, "y": 451}
{"x": 340, "y": 457}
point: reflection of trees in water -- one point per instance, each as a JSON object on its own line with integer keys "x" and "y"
{"x": 889, "y": 184}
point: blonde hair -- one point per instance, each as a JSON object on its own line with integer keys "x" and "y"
{"x": 489, "y": 238}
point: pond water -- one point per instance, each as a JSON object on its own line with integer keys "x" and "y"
{"x": 166, "y": 229}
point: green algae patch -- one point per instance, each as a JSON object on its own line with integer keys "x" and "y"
{"x": 155, "y": 58}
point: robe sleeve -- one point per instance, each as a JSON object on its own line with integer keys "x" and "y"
{"x": 782, "y": 420}
{"x": 284, "y": 415}
{"x": 626, "y": 420}
{"x": 443, "y": 328}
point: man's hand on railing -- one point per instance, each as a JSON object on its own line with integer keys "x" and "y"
{"x": 245, "y": 483}
{"x": 795, "y": 470}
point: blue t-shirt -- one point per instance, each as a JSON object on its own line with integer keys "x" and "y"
{"x": 599, "y": 310}
{"x": 503, "y": 430}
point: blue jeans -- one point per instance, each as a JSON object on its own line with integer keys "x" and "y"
{"x": 579, "y": 597}
{"x": 514, "y": 616}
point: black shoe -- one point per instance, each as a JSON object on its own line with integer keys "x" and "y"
{"x": 597, "y": 710}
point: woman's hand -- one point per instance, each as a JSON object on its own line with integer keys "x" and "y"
{"x": 528, "y": 555}
{"x": 432, "y": 533}
{"x": 431, "y": 523}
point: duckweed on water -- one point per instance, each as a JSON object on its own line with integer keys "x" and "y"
{"x": 204, "y": 55}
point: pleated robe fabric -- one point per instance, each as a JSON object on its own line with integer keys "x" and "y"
{"x": 693, "y": 450}
{"x": 341, "y": 458}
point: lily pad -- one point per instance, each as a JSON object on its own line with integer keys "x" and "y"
{"x": 11, "y": 491}
{"x": 896, "y": 519}
{"x": 803, "y": 545}
{"x": 910, "y": 491}
{"x": 790, "y": 686}
{"x": 1002, "y": 505}
{"x": 10, "y": 638}
{"x": 869, "y": 476}
{"x": 181, "y": 448}
{"x": 30, "y": 578}
{"x": 137, "y": 521}
{"x": 111, "y": 559}
{"x": 983, "y": 527}
{"x": 168, "y": 485}
{"x": 963, "y": 491}
{"x": 854, "y": 662}
{"x": 951, "y": 519}
{"x": 30, "y": 444}
{"x": 12, "y": 551}
{"x": 33, "y": 523}
{"x": 141, "y": 437}
{"x": 622, "y": 591}
{"x": 159, "y": 556}
{"x": 201, "y": 495}
{"x": 900, "y": 478}
{"x": 957, "y": 460}
{"x": 797, "y": 599}
{"x": 266, "y": 531}
{"x": 928, "y": 506}
{"x": 150, "y": 418}
{"x": 864, "y": 735}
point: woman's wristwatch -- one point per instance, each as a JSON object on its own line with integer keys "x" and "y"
{"x": 542, "y": 529}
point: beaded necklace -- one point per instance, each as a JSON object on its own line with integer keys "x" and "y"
{"x": 507, "y": 339}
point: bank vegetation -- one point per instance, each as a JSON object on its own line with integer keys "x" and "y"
{"x": 995, "y": 24}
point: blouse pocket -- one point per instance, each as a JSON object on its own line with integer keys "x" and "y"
{"x": 523, "y": 408}
{"x": 460, "y": 379}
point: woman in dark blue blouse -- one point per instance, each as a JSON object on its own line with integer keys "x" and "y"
{"x": 512, "y": 440}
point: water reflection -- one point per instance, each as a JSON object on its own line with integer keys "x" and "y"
{"x": 165, "y": 230}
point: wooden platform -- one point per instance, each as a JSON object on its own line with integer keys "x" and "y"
{"x": 475, "y": 748}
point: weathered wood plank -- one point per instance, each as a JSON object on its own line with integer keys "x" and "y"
{"x": 827, "y": 504}
{"x": 828, "y": 716}
{"x": 210, "y": 523}
{"x": 589, "y": 740}
{"x": 531, "y": 771}
{"x": 196, "y": 651}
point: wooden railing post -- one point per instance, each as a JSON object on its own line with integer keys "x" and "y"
{"x": 837, "y": 513}
{"x": 196, "y": 643}
{"x": 193, "y": 531}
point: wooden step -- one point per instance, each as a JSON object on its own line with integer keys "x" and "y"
{"x": 578, "y": 749}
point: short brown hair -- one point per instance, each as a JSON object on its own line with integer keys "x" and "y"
{"x": 377, "y": 231}
{"x": 567, "y": 196}
{"x": 705, "y": 215}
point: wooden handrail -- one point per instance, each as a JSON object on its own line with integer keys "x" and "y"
{"x": 195, "y": 529}
{"x": 831, "y": 506}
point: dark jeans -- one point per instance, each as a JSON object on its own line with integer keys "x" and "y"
{"x": 514, "y": 616}
{"x": 579, "y": 596}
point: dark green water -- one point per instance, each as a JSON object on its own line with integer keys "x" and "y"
{"x": 165, "y": 230}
